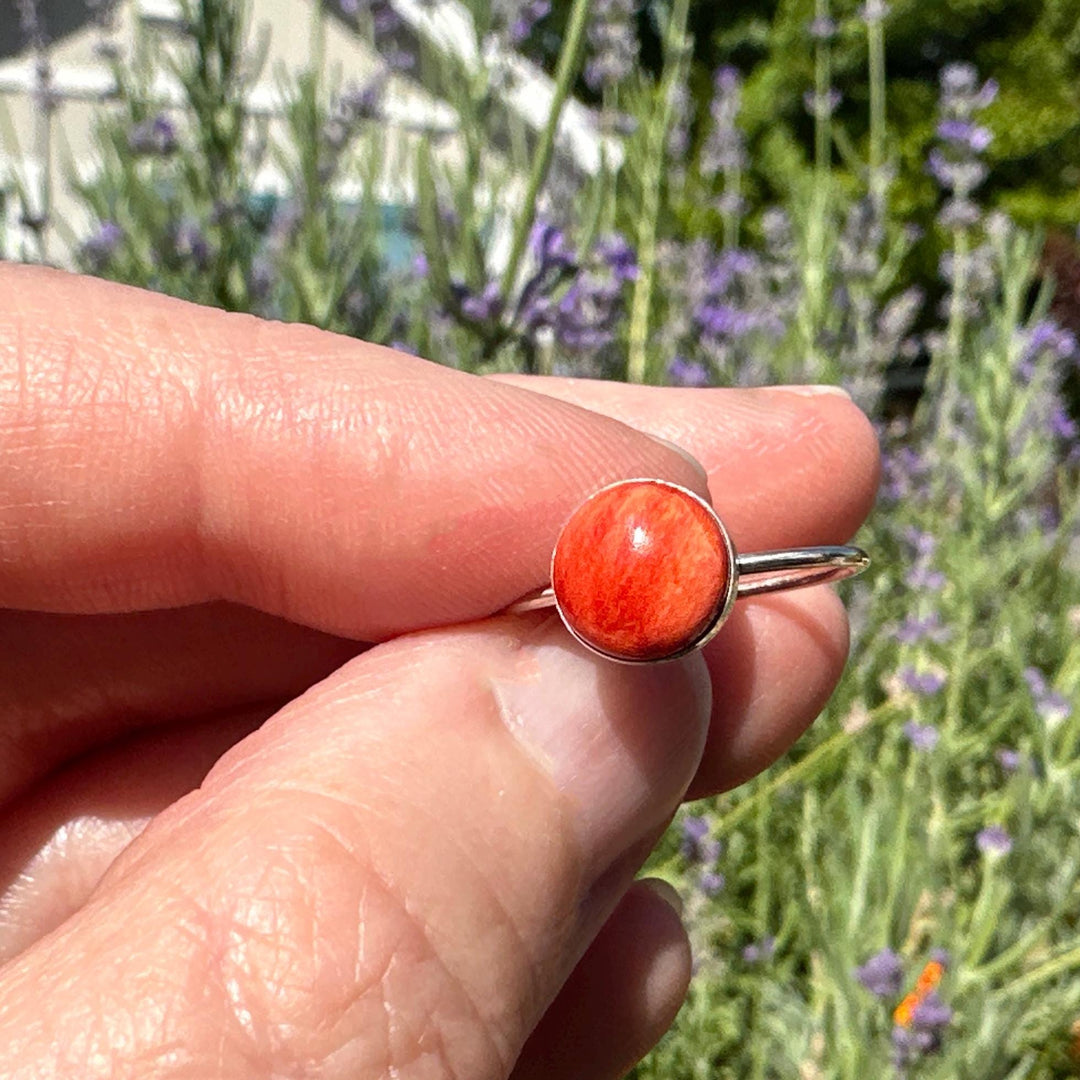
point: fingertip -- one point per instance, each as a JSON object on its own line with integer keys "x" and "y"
{"x": 813, "y": 470}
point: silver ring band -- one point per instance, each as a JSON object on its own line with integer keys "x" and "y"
{"x": 760, "y": 572}
{"x": 796, "y": 568}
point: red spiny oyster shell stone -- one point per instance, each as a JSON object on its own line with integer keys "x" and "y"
{"x": 640, "y": 570}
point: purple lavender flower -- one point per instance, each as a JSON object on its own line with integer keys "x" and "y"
{"x": 613, "y": 40}
{"x": 882, "y": 974}
{"x": 724, "y": 321}
{"x": 397, "y": 59}
{"x": 955, "y": 175}
{"x": 550, "y": 246}
{"x": 965, "y": 134}
{"x": 585, "y": 316}
{"x": 955, "y": 164}
{"x": 727, "y": 313}
{"x": 1045, "y": 340}
{"x": 190, "y": 243}
{"x": 905, "y": 473}
{"x": 927, "y": 628}
{"x": 1036, "y": 681}
{"x": 923, "y": 683}
{"x": 384, "y": 18}
{"x": 822, "y": 28}
{"x": 931, "y": 1014}
{"x": 618, "y": 254}
{"x": 683, "y": 372}
{"x": 731, "y": 204}
{"x": 261, "y": 280}
{"x": 873, "y": 11}
{"x": 363, "y": 101}
{"x": 682, "y": 105}
{"x": 922, "y": 737}
{"x": 1061, "y": 424}
{"x": 103, "y": 244}
{"x": 725, "y": 147}
{"x": 826, "y": 102}
{"x": 920, "y": 576}
{"x": 1051, "y": 705}
{"x": 960, "y": 84}
{"x": 525, "y": 18}
{"x": 929, "y": 1019}
{"x": 993, "y": 840}
{"x": 155, "y": 136}
{"x": 923, "y": 543}
{"x": 1010, "y": 760}
{"x": 958, "y": 214}
{"x": 483, "y": 306}
{"x": 697, "y": 845}
{"x": 759, "y": 952}
{"x": 694, "y": 830}
{"x": 711, "y": 882}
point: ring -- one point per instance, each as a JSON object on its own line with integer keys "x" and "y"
{"x": 645, "y": 571}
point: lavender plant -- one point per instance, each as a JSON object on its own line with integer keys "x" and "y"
{"x": 899, "y": 897}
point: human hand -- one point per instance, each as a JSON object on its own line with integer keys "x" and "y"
{"x": 421, "y": 866}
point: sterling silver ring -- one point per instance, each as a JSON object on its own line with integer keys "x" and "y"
{"x": 644, "y": 570}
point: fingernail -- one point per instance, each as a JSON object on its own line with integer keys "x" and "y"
{"x": 686, "y": 456}
{"x": 815, "y": 390}
{"x": 666, "y": 891}
{"x": 620, "y": 741}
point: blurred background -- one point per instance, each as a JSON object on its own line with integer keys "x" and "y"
{"x": 883, "y": 196}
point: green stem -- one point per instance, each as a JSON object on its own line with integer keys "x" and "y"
{"x": 1058, "y": 966}
{"x": 565, "y": 74}
{"x": 822, "y": 123}
{"x": 898, "y": 870}
{"x": 876, "y": 66}
{"x": 641, "y": 304}
{"x": 840, "y": 741}
{"x": 948, "y": 376}
{"x": 317, "y": 46}
{"x": 763, "y": 907}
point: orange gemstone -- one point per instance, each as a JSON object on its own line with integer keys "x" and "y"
{"x": 641, "y": 570}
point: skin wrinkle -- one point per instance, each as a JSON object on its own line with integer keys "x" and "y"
{"x": 84, "y": 387}
{"x": 475, "y": 865}
{"x": 370, "y": 874}
{"x": 45, "y": 722}
{"x": 351, "y": 697}
{"x": 498, "y": 1047}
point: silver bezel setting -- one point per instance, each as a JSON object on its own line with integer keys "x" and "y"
{"x": 723, "y": 609}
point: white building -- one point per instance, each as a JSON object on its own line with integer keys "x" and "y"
{"x": 41, "y": 148}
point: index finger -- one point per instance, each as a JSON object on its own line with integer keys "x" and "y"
{"x": 158, "y": 454}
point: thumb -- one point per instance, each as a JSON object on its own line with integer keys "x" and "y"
{"x": 394, "y": 876}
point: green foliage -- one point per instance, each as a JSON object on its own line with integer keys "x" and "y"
{"x": 862, "y": 840}
{"x": 1031, "y": 47}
